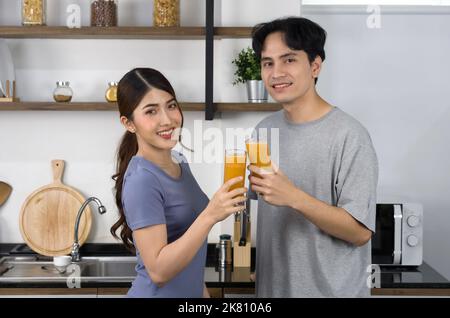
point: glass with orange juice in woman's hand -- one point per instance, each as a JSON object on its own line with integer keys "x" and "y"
{"x": 232, "y": 195}
{"x": 235, "y": 165}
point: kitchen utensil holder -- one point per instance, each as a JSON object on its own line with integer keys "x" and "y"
{"x": 10, "y": 92}
{"x": 241, "y": 254}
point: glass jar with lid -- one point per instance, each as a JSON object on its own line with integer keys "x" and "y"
{"x": 33, "y": 12}
{"x": 111, "y": 92}
{"x": 104, "y": 13}
{"x": 62, "y": 93}
{"x": 166, "y": 13}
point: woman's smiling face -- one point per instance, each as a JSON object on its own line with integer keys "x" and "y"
{"x": 156, "y": 120}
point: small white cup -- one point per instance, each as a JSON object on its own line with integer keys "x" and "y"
{"x": 61, "y": 262}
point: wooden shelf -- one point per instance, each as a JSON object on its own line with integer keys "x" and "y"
{"x": 187, "y": 33}
{"x": 86, "y": 106}
{"x": 247, "y": 107}
{"x": 232, "y": 32}
{"x": 48, "y": 32}
{"x": 100, "y": 106}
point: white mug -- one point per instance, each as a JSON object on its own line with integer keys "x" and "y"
{"x": 61, "y": 262}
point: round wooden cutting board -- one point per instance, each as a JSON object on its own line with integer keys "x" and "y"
{"x": 47, "y": 217}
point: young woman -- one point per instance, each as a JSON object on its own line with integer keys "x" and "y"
{"x": 164, "y": 215}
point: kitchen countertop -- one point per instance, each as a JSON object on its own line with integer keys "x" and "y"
{"x": 215, "y": 277}
{"x": 421, "y": 277}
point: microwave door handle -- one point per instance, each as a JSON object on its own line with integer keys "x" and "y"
{"x": 397, "y": 234}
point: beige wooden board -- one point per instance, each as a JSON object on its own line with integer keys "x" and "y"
{"x": 47, "y": 217}
{"x": 5, "y": 191}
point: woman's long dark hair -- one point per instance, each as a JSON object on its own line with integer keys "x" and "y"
{"x": 131, "y": 90}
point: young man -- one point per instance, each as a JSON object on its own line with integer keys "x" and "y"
{"x": 316, "y": 212}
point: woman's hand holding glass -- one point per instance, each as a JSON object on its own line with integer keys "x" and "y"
{"x": 226, "y": 202}
{"x": 235, "y": 165}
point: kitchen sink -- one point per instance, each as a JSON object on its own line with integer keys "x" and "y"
{"x": 118, "y": 267}
{"x": 89, "y": 269}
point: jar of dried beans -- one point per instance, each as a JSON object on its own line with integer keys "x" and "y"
{"x": 33, "y": 12}
{"x": 166, "y": 13}
{"x": 104, "y": 13}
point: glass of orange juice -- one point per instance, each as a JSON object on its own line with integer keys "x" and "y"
{"x": 259, "y": 154}
{"x": 235, "y": 165}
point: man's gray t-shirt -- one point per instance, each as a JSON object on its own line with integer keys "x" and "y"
{"x": 333, "y": 160}
{"x": 150, "y": 196}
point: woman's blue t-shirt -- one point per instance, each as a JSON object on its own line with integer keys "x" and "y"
{"x": 149, "y": 197}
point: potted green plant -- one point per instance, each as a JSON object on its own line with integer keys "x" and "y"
{"x": 248, "y": 71}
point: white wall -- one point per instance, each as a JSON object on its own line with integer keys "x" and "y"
{"x": 394, "y": 80}
{"x": 87, "y": 141}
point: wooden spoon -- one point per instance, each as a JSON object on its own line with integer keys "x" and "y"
{"x": 5, "y": 191}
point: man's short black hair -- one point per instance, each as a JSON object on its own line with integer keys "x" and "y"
{"x": 299, "y": 34}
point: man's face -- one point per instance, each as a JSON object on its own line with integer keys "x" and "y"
{"x": 287, "y": 74}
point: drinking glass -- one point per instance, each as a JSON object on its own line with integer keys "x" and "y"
{"x": 235, "y": 165}
{"x": 259, "y": 154}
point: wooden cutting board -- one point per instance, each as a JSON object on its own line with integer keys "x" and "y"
{"x": 5, "y": 191}
{"x": 47, "y": 217}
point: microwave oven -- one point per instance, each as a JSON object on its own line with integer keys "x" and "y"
{"x": 398, "y": 238}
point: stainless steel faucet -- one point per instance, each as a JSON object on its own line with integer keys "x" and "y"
{"x": 76, "y": 246}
